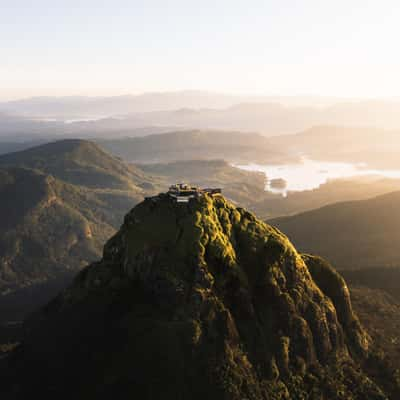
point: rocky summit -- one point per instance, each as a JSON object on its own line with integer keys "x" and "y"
{"x": 196, "y": 301}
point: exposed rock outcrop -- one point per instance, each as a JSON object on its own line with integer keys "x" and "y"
{"x": 196, "y": 301}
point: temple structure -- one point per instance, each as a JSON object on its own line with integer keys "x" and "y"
{"x": 182, "y": 192}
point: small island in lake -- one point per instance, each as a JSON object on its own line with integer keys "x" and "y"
{"x": 277, "y": 183}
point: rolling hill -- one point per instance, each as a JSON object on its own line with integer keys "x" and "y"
{"x": 79, "y": 162}
{"x": 196, "y": 145}
{"x": 336, "y": 190}
{"x": 355, "y": 234}
{"x": 58, "y": 204}
{"x": 52, "y": 228}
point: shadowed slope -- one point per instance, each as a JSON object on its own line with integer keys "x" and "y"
{"x": 49, "y": 230}
{"x": 191, "y": 302}
{"x": 355, "y": 234}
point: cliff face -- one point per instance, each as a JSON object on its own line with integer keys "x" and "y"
{"x": 197, "y": 301}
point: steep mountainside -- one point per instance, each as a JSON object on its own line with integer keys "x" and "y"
{"x": 386, "y": 279}
{"x": 355, "y": 234}
{"x": 53, "y": 225}
{"x": 197, "y": 301}
{"x": 47, "y": 227}
{"x": 80, "y": 162}
{"x": 379, "y": 312}
{"x": 51, "y": 188}
{"x": 376, "y": 298}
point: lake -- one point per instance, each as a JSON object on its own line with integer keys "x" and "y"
{"x": 311, "y": 174}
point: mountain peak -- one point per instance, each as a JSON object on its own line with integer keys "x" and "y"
{"x": 208, "y": 299}
{"x": 79, "y": 162}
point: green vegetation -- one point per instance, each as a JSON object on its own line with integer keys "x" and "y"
{"x": 198, "y": 301}
{"x": 59, "y": 203}
{"x": 381, "y": 278}
{"x": 52, "y": 228}
{"x": 376, "y": 300}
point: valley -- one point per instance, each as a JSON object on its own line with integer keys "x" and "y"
{"x": 199, "y": 200}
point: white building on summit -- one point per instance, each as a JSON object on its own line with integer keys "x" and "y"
{"x": 183, "y": 192}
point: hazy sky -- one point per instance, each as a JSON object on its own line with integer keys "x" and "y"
{"x": 322, "y": 47}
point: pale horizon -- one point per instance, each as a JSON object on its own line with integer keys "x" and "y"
{"x": 98, "y": 94}
{"x": 288, "y": 48}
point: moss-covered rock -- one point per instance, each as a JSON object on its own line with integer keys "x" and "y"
{"x": 197, "y": 301}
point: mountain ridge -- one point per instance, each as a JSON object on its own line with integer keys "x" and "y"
{"x": 79, "y": 162}
{"x": 351, "y": 234}
{"x": 42, "y": 229}
{"x": 67, "y": 198}
{"x": 196, "y": 144}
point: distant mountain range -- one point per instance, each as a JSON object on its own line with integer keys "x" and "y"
{"x": 357, "y": 234}
{"x": 275, "y": 119}
{"x": 73, "y": 107}
{"x": 195, "y": 144}
{"x": 375, "y": 147}
{"x": 156, "y": 113}
{"x": 17, "y": 129}
{"x": 192, "y": 156}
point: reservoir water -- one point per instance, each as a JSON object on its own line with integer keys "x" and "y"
{"x": 311, "y": 174}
